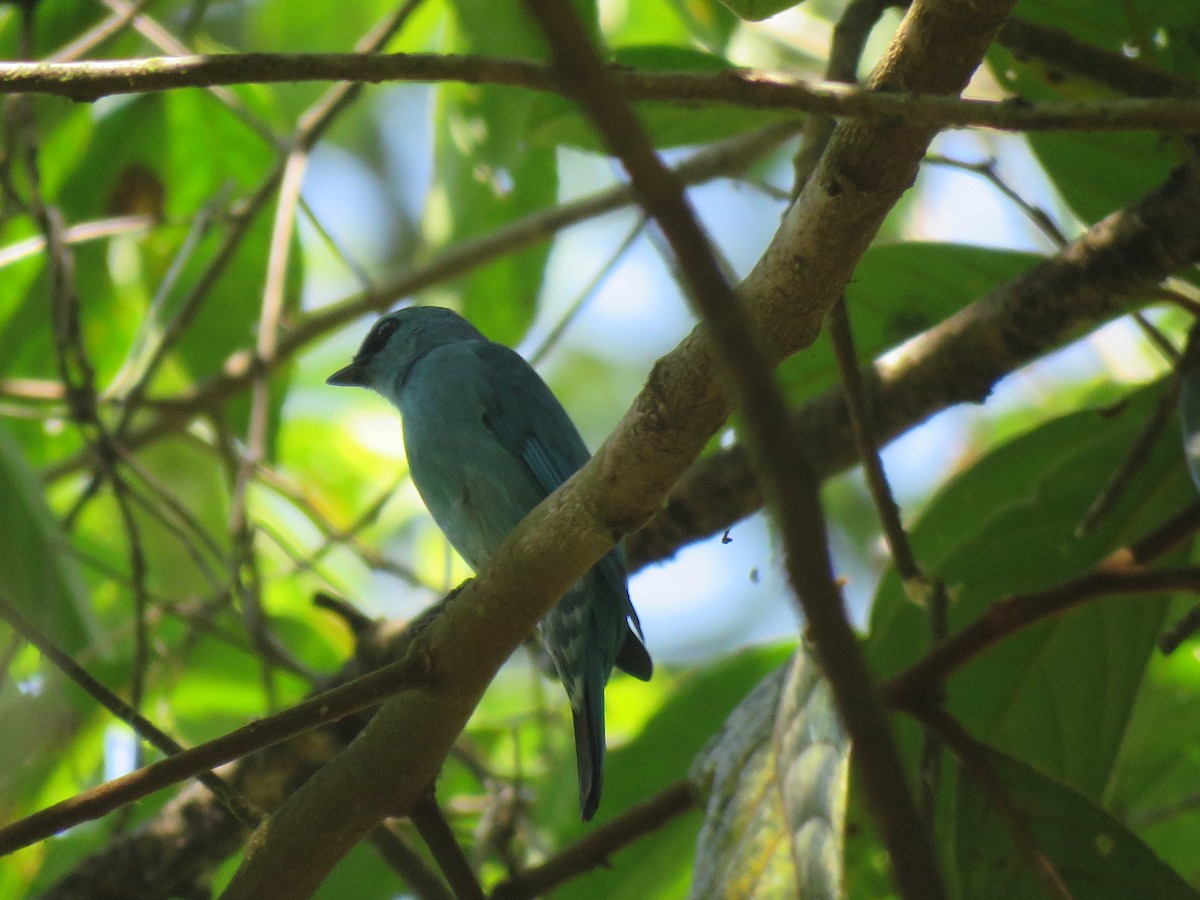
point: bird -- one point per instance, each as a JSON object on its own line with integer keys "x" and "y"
{"x": 486, "y": 442}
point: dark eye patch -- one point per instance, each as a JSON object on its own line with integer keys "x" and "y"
{"x": 376, "y": 340}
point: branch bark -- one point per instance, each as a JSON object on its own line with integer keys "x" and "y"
{"x": 912, "y": 105}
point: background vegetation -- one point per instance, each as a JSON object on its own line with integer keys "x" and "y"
{"x": 192, "y": 518}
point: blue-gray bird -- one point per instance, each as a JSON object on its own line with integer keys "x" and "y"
{"x": 486, "y": 442}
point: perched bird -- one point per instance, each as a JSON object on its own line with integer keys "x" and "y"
{"x": 486, "y": 442}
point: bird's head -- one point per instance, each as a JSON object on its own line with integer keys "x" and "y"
{"x": 397, "y": 341}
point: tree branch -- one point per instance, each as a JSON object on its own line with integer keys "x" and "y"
{"x": 90, "y": 80}
{"x": 409, "y": 672}
{"x": 439, "y": 838}
{"x": 594, "y": 849}
{"x": 1098, "y": 276}
{"x": 1122, "y": 572}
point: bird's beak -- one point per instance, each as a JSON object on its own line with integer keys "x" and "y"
{"x": 349, "y": 376}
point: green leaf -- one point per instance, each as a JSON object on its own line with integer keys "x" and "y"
{"x": 899, "y": 290}
{"x": 756, "y": 10}
{"x": 1096, "y": 856}
{"x": 488, "y": 174}
{"x": 1057, "y": 694}
{"x": 37, "y": 575}
{"x": 775, "y": 781}
{"x": 1099, "y": 172}
{"x": 1154, "y": 785}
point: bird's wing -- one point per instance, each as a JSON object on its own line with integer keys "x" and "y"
{"x": 527, "y": 419}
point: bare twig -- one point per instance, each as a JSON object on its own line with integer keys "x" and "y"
{"x": 987, "y": 169}
{"x": 408, "y": 863}
{"x": 919, "y": 588}
{"x": 1183, "y": 629}
{"x": 409, "y": 672}
{"x": 435, "y": 831}
{"x": 87, "y": 81}
{"x": 595, "y": 849}
{"x": 237, "y": 805}
{"x": 1121, "y": 573}
{"x": 586, "y": 294}
{"x": 1134, "y": 460}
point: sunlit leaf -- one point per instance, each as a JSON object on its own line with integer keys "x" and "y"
{"x": 754, "y": 10}
{"x": 774, "y": 779}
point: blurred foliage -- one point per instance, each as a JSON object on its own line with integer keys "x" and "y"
{"x": 1092, "y": 733}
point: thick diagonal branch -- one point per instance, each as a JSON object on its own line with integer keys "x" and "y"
{"x": 1104, "y": 273}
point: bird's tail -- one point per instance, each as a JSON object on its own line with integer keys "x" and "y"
{"x": 589, "y": 745}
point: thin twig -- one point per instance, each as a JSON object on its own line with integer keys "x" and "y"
{"x": 1119, "y": 574}
{"x": 240, "y": 808}
{"x": 987, "y": 169}
{"x": 88, "y": 81}
{"x": 97, "y": 34}
{"x": 1134, "y": 461}
{"x": 422, "y": 880}
{"x": 410, "y": 672}
{"x": 82, "y": 233}
{"x": 595, "y": 848}
{"x": 1183, "y": 629}
{"x": 589, "y": 291}
{"x": 919, "y": 588}
{"x": 439, "y": 838}
{"x": 861, "y": 422}
{"x": 75, "y": 366}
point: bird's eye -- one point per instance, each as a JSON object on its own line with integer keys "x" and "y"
{"x": 377, "y": 338}
{"x": 384, "y": 329}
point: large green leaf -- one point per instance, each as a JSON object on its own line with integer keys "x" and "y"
{"x": 1098, "y": 172}
{"x": 1096, "y": 856}
{"x": 774, "y": 779}
{"x": 1058, "y": 694}
{"x": 1154, "y": 785}
{"x": 899, "y": 290}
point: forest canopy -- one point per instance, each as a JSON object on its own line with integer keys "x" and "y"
{"x": 879, "y": 319}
